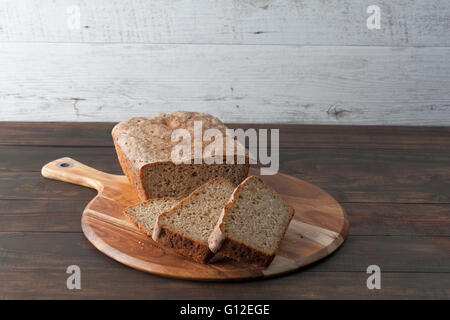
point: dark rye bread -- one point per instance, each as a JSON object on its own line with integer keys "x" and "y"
{"x": 145, "y": 214}
{"x": 252, "y": 224}
{"x": 144, "y": 147}
{"x": 187, "y": 226}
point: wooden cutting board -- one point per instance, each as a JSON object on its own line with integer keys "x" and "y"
{"x": 318, "y": 228}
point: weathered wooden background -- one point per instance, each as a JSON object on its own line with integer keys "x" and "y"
{"x": 259, "y": 61}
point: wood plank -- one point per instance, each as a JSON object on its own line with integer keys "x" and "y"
{"x": 394, "y": 176}
{"x": 31, "y": 185}
{"x": 366, "y": 219}
{"x": 86, "y": 134}
{"x": 240, "y": 83}
{"x": 41, "y": 215}
{"x": 125, "y": 283}
{"x": 350, "y": 175}
{"x": 31, "y": 159}
{"x": 55, "y": 251}
{"x": 60, "y": 134}
{"x": 308, "y": 22}
{"x": 360, "y": 137}
{"x": 398, "y": 219}
{"x": 392, "y": 254}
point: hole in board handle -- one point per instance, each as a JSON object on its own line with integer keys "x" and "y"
{"x": 64, "y": 165}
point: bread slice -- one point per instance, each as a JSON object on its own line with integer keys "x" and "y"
{"x": 187, "y": 226}
{"x": 252, "y": 224}
{"x": 144, "y": 148}
{"x": 145, "y": 214}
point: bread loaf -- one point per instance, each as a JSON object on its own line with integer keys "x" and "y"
{"x": 252, "y": 224}
{"x": 144, "y": 147}
{"x": 187, "y": 226}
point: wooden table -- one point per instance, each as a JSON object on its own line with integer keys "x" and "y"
{"x": 394, "y": 183}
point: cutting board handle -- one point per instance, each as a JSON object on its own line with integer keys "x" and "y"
{"x": 69, "y": 170}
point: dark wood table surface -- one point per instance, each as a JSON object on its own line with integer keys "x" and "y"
{"x": 394, "y": 183}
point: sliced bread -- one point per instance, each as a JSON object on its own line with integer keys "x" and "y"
{"x": 252, "y": 224}
{"x": 187, "y": 226}
{"x": 145, "y": 214}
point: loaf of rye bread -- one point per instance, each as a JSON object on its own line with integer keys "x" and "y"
{"x": 144, "y": 148}
{"x": 187, "y": 226}
{"x": 252, "y": 224}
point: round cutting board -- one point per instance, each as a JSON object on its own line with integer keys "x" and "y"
{"x": 318, "y": 227}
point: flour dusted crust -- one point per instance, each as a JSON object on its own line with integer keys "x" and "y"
{"x": 221, "y": 243}
{"x": 148, "y": 139}
{"x": 144, "y": 144}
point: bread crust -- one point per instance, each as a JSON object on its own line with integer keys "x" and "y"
{"x": 133, "y": 176}
{"x": 220, "y": 242}
{"x": 185, "y": 246}
{"x": 238, "y": 251}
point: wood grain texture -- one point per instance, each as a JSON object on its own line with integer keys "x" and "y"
{"x": 318, "y": 228}
{"x": 120, "y": 282}
{"x": 241, "y": 83}
{"x": 61, "y": 134}
{"x": 348, "y": 174}
{"x": 305, "y": 22}
{"x": 40, "y": 237}
{"x": 393, "y": 176}
{"x": 18, "y": 158}
{"x": 40, "y": 215}
{"x": 394, "y": 219}
{"x": 368, "y": 219}
{"x": 395, "y": 254}
{"x": 98, "y": 134}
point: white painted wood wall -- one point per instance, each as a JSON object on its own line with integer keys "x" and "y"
{"x": 260, "y": 61}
